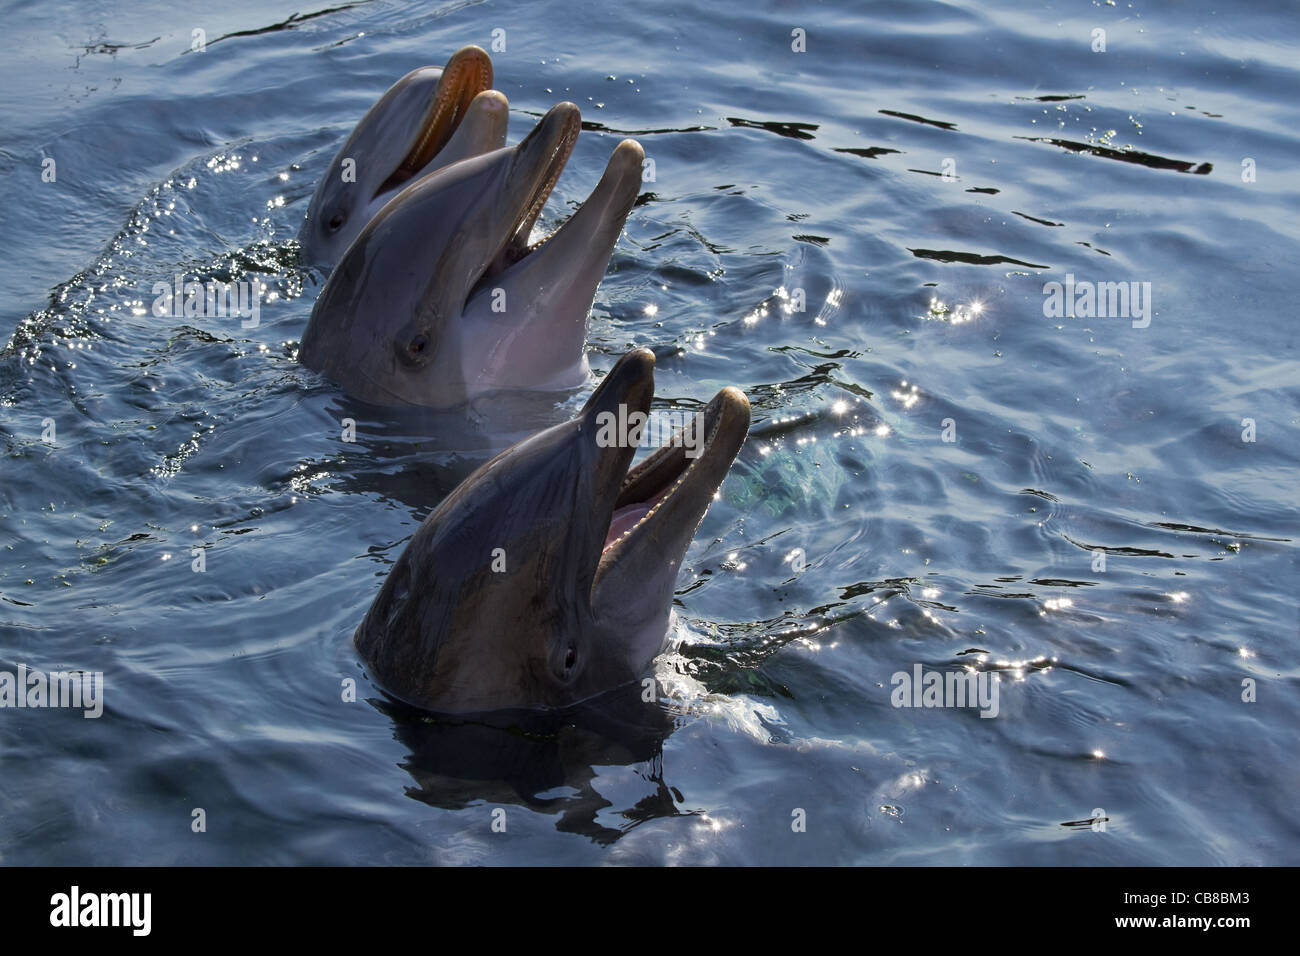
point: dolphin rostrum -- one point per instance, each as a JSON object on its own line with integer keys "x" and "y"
{"x": 427, "y": 120}
{"x": 547, "y": 576}
{"x": 442, "y": 297}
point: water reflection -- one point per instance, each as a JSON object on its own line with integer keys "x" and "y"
{"x": 556, "y": 763}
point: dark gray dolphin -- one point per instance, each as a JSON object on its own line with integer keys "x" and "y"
{"x": 547, "y": 576}
{"x": 428, "y": 119}
{"x": 442, "y": 297}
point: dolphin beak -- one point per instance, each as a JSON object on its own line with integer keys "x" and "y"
{"x": 597, "y": 224}
{"x": 623, "y": 398}
{"x": 467, "y": 73}
{"x": 614, "y": 195}
{"x": 481, "y": 130}
{"x": 629, "y": 385}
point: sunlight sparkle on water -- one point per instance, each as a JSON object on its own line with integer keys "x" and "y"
{"x": 956, "y": 314}
{"x": 714, "y": 824}
{"x": 908, "y": 397}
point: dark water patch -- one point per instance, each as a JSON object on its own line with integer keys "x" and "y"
{"x": 868, "y": 152}
{"x": 292, "y": 22}
{"x": 789, "y": 130}
{"x": 1148, "y": 160}
{"x": 1041, "y": 222}
{"x": 912, "y": 117}
{"x": 598, "y": 127}
{"x": 971, "y": 258}
{"x": 1053, "y": 97}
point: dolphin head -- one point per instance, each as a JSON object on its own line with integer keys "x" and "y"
{"x": 442, "y": 297}
{"x": 427, "y": 120}
{"x": 547, "y": 576}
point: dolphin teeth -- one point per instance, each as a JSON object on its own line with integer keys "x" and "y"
{"x": 559, "y": 158}
{"x": 517, "y": 247}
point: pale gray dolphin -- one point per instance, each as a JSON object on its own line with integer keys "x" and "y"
{"x": 547, "y": 576}
{"x": 442, "y": 298}
{"x": 428, "y": 119}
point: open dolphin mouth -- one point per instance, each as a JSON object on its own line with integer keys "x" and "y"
{"x": 553, "y": 138}
{"x": 674, "y": 485}
{"x": 467, "y": 73}
{"x": 611, "y": 199}
{"x": 679, "y": 471}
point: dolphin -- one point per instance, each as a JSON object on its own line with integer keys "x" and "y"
{"x": 547, "y": 576}
{"x": 427, "y": 120}
{"x": 442, "y": 297}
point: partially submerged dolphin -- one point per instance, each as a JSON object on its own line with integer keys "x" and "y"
{"x": 427, "y": 120}
{"x": 547, "y": 576}
{"x": 442, "y": 297}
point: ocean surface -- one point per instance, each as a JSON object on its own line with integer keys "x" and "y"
{"x": 857, "y": 214}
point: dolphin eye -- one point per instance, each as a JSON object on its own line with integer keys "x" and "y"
{"x": 336, "y": 222}
{"x": 415, "y": 351}
{"x": 570, "y": 658}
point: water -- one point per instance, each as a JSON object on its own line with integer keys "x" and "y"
{"x": 1074, "y": 438}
